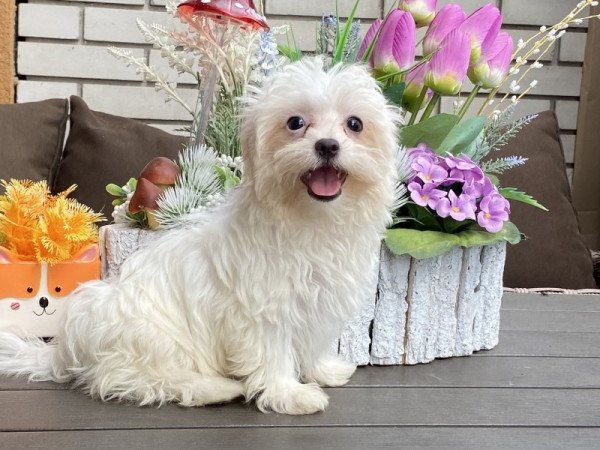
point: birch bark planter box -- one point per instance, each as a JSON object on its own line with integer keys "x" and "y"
{"x": 417, "y": 310}
{"x": 33, "y": 295}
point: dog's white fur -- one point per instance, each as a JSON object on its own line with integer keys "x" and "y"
{"x": 248, "y": 302}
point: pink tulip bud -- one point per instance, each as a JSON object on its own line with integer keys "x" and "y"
{"x": 371, "y": 32}
{"x": 492, "y": 68}
{"x": 482, "y": 27}
{"x": 423, "y": 11}
{"x": 449, "y": 18}
{"x": 448, "y": 66}
{"x": 394, "y": 50}
{"x": 415, "y": 81}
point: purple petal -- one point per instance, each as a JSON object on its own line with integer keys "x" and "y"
{"x": 449, "y": 18}
{"x": 371, "y": 32}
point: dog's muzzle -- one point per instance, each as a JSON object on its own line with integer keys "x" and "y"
{"x": 324, "y": 183}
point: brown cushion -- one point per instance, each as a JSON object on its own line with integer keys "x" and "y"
{"x": 554, "y": 254}
{"x": 32, "y": 139}
{"x": 103, "y": 148}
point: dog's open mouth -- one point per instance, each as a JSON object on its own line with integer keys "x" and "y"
{"x": 324, "y": 183}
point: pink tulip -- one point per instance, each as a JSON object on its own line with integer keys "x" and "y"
{"x": 415, "y": 81}
{"x": 371, "y": 32}
{"x": 448, "y": 66}
{"x": 449, "y": 18}
{"x": 482, "y": 27}
{"x": 492, "y": 68}
{"x": 394, "y": 50}
{"x": 423, "y": 11}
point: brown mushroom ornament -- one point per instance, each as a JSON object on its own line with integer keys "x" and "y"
{"x": 159, "y": 174}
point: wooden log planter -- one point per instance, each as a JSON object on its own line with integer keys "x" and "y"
{"x": 418, "y": 310}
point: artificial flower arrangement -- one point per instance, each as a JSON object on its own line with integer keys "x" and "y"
{"x": 36, "y": 226}
{"x": 453, "y": 195}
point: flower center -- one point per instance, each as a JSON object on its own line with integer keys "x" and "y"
{"x": 487, "y": 215}
{"x": 455, "y": 209}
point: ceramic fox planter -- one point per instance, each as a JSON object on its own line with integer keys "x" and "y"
{"x": 33, "y": 295}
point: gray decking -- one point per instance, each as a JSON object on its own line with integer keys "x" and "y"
{"x": 540, "y": 388}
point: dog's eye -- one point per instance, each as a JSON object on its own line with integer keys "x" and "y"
{"x": 354, "y": 124}
{"x": 295, "y": 123}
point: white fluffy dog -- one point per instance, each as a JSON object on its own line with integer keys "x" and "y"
{"x": 248, "y": 302}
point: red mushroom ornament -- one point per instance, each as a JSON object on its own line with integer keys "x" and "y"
{"x": 242, "y": 12}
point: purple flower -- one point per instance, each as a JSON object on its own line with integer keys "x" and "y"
{"x": 482, "y": 27}
{"x": 425, "y": 195}
{"x": 394, "y": 50}
{"x": 477, "y": 188}
{"x": 494, "y": 211}
{"x": 448, "y": 66}
{"x": 449, "y": 18}
{"x": 492, "y": 68}
{"x": 428, "y": 171}
{"x": 423, "y": 11}
{"x": 371, "y": 32}
{"x": 458, "y": 207}
{"x": 462, "y": 162}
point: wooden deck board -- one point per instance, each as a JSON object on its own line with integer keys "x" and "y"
{"x": 540, "y": 388}
{"x": 338, "y": 438}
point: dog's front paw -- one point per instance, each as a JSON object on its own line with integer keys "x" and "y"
{"x": 330, "y": 371}
{"x": 293, "y": 399}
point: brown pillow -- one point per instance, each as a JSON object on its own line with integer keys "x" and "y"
{"x": 102, "y": 148}
{"x": 32, "y": 136}
{"x": 554, "y": 254}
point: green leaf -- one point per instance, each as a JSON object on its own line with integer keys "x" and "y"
{"x": 292, "y": 54}
{"x": 513, "y": 194}
{"x": 132, "y": 184}
{"x": 462, "y": 136}
{"x": 227, "y": 177}
{"x": 432, "y": 131}
{"x": 115, "y": 190}
{"x": 428, "y": 244}
{"x": 394, "y": 93}
{"x": 118, "y": 201}
{"x": 342, "y": 39}
{"x": 420, "y": 244}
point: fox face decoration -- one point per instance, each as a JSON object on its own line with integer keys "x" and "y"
{"x": 33, "y": 295}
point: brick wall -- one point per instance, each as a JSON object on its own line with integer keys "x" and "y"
{"x": 62, "y": 51}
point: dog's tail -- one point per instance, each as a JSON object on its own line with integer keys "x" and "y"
{"x": 31, "y": 357}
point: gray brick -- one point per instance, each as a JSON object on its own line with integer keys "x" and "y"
{"x": 568, "y": 142}
{"x": 566, "y": 112}
{"x": 136, "y": 102}
{"x": 34, "y": 91}
{"x": 72, "y": 61}
{"x": 525, "y": 35}
{"x": 572, "y": 47}
{"x": 525, "y": 107}
{"x": 115, "y": 2}
{"x": 536, "y": 12}
{"x": 34, "y": 21}
{"x": 118, "y": 25}
{"x": 367, "y": 9}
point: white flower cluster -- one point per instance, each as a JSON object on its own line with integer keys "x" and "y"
{"x": 119, "y": 213}
{"x": 233, "y": 163}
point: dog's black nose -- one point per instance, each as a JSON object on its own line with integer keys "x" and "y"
{"x": 327, "y": 148}
{"x": 44, "y": 302}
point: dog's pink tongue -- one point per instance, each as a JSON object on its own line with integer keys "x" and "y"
{"x": 324, "y": 182}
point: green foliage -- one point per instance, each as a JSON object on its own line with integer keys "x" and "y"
{"x": 432, "y": 131}
{"x": 227, "y": 178}
{"x": 222, "y": 133}
{"x": 394, "y": 93}
{"x": 293, "y": 54}
{"x": 514, "y": 194}
{"x": 462, "y": 137}
{"x": 428, "y": 244}
{"x": 342, "y": 39}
